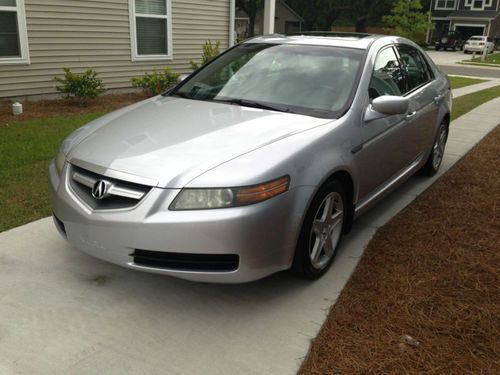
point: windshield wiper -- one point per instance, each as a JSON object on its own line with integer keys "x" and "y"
{"x": 254, "y": 104}
{"x": 180, "y": 95}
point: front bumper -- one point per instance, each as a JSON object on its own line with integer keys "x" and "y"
{"x": 263, "y": 236}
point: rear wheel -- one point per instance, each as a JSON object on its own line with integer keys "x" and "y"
{"x": 321, "y": 232}
{"x": 436, "y": 156}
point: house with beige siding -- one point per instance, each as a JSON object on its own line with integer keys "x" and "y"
{"x": 120, "y": 39}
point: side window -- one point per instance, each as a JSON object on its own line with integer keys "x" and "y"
{"x": 387, "y": 77}
{"x": 426, "y": 65}
{"x": 415, "y": 67}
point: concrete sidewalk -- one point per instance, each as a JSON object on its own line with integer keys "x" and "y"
{"x": 477, "y": 87}
{"x": 62, "y": 312}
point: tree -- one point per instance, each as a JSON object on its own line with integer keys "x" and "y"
{"x": 364, "y": 11}
{"x": 321, "y": 14}
{"x": 408, "y": 19}
{"x": 250, "y": 7}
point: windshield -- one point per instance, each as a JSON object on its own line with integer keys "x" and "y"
{"x": 312, "y": 80}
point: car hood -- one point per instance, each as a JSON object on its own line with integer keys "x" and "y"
{"x": 171, "y": 140}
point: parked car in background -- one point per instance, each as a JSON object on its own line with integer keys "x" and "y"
{"x": 478, "y": 43}
{"x": 452, "y": 40}
{"x": 257, "y": 162}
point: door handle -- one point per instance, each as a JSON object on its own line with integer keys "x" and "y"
{"x": 438, "y": 98}
{"x": 411, "y": 115}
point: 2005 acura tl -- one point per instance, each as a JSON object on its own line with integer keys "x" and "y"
{"x": 256, "y": 163}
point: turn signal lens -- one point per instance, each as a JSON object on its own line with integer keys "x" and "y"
{"x": 202, "y": 199}
{"x": 262, "y": 192}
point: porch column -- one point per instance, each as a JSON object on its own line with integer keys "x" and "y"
{"x": 269, "y": 14}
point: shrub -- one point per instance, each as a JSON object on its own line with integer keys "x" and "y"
{"x": 157, "y": 82}
{"x": 210, "y": 51}
{"x": 408, "y": 19}
{"x": 83, "y": 86}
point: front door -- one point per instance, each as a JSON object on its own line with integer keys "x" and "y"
{"x": 383, "y": 150}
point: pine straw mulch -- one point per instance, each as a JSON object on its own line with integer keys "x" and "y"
{"x": 425, "y": 298}
{"x": 67, "y": 107}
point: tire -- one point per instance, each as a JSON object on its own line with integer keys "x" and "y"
{"x": 435, "y": 158}
{"x": 321, "y": 231}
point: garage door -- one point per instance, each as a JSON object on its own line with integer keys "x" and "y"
{"x": 468, "y": 31}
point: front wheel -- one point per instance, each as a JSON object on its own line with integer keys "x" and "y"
{"x": 436, "y": 156}
{"x": 321, "y": 231}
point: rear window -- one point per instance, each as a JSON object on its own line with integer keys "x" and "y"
{"x": 479, "y": 38}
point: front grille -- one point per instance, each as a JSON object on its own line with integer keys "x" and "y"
{"x": 186, "y": 262}
{"x": 120, "y": 194}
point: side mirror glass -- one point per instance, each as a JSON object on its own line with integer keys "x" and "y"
{"x": 385, "y": 106}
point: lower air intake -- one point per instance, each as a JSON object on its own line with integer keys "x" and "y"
{"x": 186, "y": 262}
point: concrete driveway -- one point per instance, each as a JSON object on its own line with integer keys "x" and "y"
{"x": 447, "y": 61}
{"x": 447, "y": 57}
{"x": 63, "y": 312}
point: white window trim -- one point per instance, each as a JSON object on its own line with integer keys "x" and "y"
{"x": 23, "y": 35}
{"x": 133, "y": 34}
{"x": 486, "y": 4}
{"x": 445, "y": 8}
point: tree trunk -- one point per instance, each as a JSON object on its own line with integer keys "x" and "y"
{"x": 251, "y": 25}
{"x": 329, "y": 20}
{"x": 361, "y": 25}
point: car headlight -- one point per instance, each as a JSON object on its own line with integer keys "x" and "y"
{"x": 60, "y": 160}
{"x": 202, "y": 199}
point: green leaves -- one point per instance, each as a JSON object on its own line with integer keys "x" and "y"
{"x": 210, "y": 51}
{"x": 156, "y": 82}
{"x": 83, "y": 86}
{"x": 408, "y": 19}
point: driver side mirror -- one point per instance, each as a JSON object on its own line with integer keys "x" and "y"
{"x": 385, "y": 106}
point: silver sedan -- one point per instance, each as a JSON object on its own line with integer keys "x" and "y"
{"x": 258, "y": 162}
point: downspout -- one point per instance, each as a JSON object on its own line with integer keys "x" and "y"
{"x": 428, "y": 36}
{"x": 269, "y": 14}
{"x": 232, "y": 15}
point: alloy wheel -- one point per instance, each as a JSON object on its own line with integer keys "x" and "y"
{"x": 438, "y": 148}
{"x": 326, "y": 230}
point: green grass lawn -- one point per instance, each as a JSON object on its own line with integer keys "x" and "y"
{"x": 26, "y": 148}
{"x": 457, "y": 82}
{"x": 466, "y": 103}
{"x": 493, "y": 58}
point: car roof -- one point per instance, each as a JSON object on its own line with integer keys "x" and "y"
{"x": 332, "y": 39}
